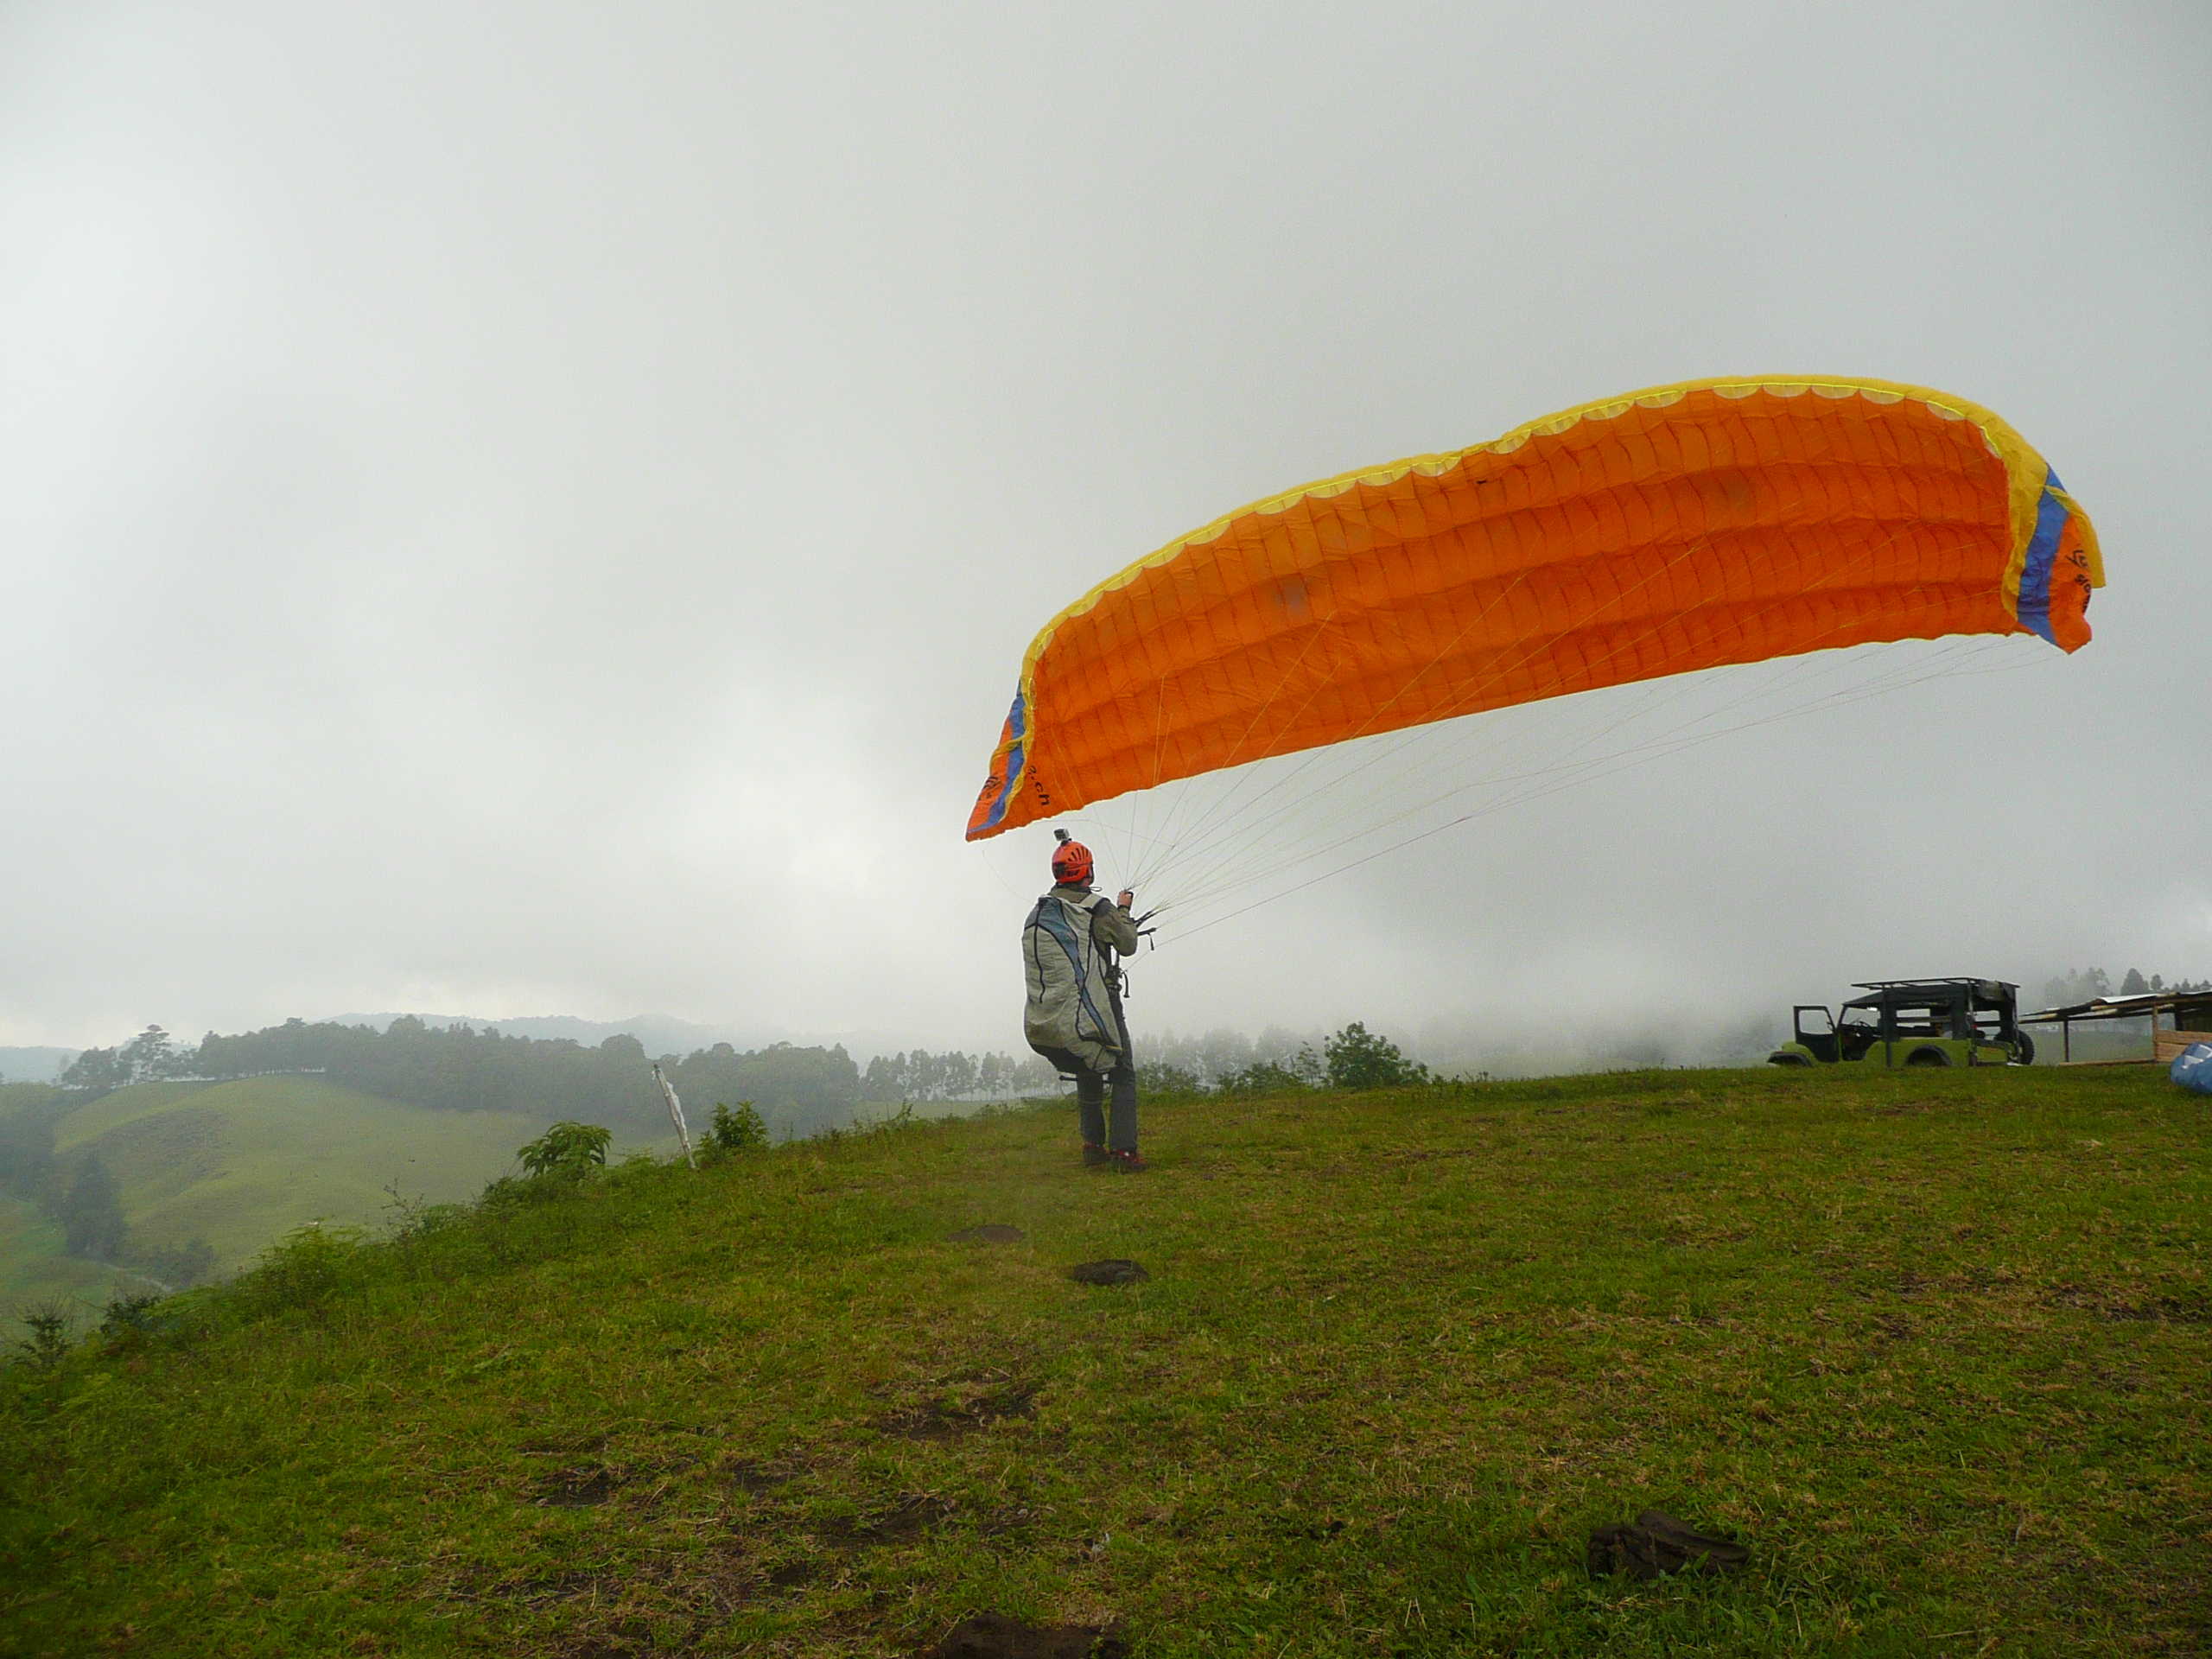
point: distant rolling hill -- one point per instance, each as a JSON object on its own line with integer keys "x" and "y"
{"x": 240, "y": 1164}
{"x": 33, "y": 1269}
{"x": 661, "y": 1033}
{"x": 33, "y": 1065}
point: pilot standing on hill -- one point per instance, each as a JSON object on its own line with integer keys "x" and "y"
{"x": 1071, "y": 945}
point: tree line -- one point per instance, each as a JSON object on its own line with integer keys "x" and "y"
{"x": 1227, "y": 1061}
{"x": 921, "y": 1075}
{"x": 1235, "y": 1062}
{"x": 2086, "y": 984}
{"x": 458, "y": 1068}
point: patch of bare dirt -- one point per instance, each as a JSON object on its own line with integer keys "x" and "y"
{"x": 1114, "y": 1270}
{"x": 2154, "y": 1310}
{"x": 750, "y": 1477}
{"x": 908, "y": 1518}
{"x": 941, "y": 1420}
{"x": 577, "y": 1489}
{"x": 994, "y": 1636}
{"x": 791, "y": 1575}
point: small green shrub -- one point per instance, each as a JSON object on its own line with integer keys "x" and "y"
{"x": 181, "y": 1265}
{"x": 567, "y": 1149}
{"x": 736, "y": 1130}
{"x": 1358, "y": 1059}
{"x": 1158, "y": 1077}
{"x": 903, "y": 1118}
{"x": 510, "y": 1192}
{"x": 434, "y": 1219}
{"x": 412, "y": 1224}
{"x": 127, "y": 1320}
{"x": 1305, "y": 1070}
{"x": 305, "y": 1267}
{"x": 47, "y": 1345}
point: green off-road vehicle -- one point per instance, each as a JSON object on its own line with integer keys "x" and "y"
{"x": 1914, "y": 1022}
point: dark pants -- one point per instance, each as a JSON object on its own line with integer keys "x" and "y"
{"x": 1091, "y": 1089}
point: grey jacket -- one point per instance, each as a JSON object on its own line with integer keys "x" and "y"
{"x": 1110, "y": 926}
{"x": 1068, "y": 946}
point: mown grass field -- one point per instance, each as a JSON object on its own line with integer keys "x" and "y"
{"x": 1935, "y": 1345}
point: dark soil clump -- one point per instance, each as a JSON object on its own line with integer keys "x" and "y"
{"x": 1115, "y": 1270}
{"x": 909, "y": 1518}
{"x": 748, "y": 1477}
{"x": 990, "y": 1233}
{"x": 994, "y": 1636}
{"x": 792, "y": 1575}
{"x": 1658, "y": 1544}
{"x": 577, "y": 1489}
{"x": 940, "y": 1422}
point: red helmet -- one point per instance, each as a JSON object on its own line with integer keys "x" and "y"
{"x": 1070, "y": 863}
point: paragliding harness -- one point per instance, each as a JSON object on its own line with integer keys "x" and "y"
{"x": 1069, "y": 1016}
{"x": 1076, "y": 982}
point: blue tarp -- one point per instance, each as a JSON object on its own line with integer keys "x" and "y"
{"x": 2194, "y": 1068}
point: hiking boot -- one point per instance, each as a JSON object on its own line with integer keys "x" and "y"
{"x": 1128, "y": 1163}
{"x": 1094, "y": 1155}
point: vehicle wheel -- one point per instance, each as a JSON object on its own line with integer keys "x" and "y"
{"x": 1787, "y": 1059}
{"x": 1927, "y": 1056}
{"x": 2024, "y": 1049}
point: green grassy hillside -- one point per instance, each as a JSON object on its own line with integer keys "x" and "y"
{"x": 1934, "y": 1345}
{"x": 240, "y": 1164}
{"x": 33, "y": 1269}
{"x": 24, "y": 1096}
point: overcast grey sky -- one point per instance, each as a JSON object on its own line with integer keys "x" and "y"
{"x": 538, "y": 508}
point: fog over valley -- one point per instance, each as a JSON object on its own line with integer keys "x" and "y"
{"x": 544, "y": 517}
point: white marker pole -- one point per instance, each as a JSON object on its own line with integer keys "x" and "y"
{"x": 675, "y": 1113}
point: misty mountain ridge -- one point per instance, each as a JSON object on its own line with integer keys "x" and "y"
{"x": 661, "y": 1033}
{"x": 34, "y": 1065}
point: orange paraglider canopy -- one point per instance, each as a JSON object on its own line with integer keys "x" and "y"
{"x": 1682, "y": 528}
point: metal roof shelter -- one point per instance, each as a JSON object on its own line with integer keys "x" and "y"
{"x": 2178, "y": 1018}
